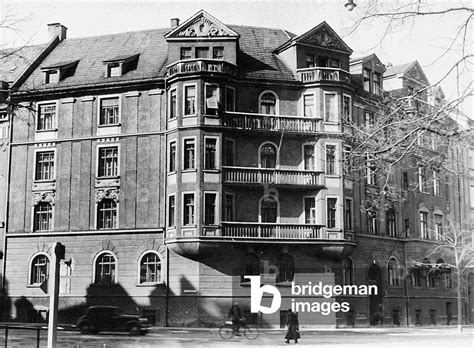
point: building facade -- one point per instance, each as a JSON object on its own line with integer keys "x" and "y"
{"x": 173, "y": 163}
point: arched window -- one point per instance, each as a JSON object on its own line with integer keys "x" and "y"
{"x": 286, "y": 268}
{"x": 150, "y": 268}
{"x": 268, "y": 209}
{"x": 251, "y": 266}
{"x": 39, "y": 269}
{"x": 393, "y": 272}
{"x": 268, "y": 103}
{"x": 348, "y": 271}
{"x": 107, "y": 214}
{"x": 268, "y": 155}
{"x": 43, "y": 217}
{"x": 105, "y": 268}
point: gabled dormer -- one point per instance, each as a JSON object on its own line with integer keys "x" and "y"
{"x": 202, "y": 37}
{"x": 119, "y": 66}
{"x": 368, "y": 73}
{"x": 406, "y": 80}
{"x": 54, "y": 73}
{"x": 320, "y": 47}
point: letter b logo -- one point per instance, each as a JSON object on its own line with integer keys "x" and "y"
{"x": 256, "y": 294}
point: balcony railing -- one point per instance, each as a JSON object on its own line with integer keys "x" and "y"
{"x": 248, "y": 175}
{"x": 192, "y": 66}
{"x": 323, "y": 74}
{"x": 271, "y": 230}
{"x": 271, "y": 122}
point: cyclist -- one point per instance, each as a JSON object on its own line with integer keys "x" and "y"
{"x": 235, "y": 314}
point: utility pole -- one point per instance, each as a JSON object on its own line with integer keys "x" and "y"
{"x": 57, "y": 255}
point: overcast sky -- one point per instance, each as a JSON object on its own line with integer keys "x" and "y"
{"x": 423, "y": 42}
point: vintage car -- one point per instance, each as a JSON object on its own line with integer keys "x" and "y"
{"x": 110, "y": 318}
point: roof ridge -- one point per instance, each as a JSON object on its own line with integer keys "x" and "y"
{"x": 115, "y": 34}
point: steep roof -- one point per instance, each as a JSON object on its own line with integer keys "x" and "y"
{"x": 399, "y": 69}
{"x": 255, "y": 58}
{"x": 411, "y": 70}
{"x": 13, "y": 61}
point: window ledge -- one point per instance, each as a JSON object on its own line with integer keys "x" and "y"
{"x": 44, "y": 181}
{"x": 109, "y": 125}
{"x": 147, "y": 285}
{"x": 32, "y": 286}
{"x": 191, "y": 170}
{"x": 107, "y": 177}
{"x": 190, "y": 115}
{"x": 173, "y": 172}
{"x": 100, "y": 285}
{"x": 332, "y": 122}
{"x": 46, "y": 130}
{"x": 211, "y": 115}
{"x": 217, "y": 171}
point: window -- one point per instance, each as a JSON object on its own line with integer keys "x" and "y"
{"x": 347, "y": 107}
{"x": 189, "y": 152}
{"x": 150, "y": 268}
{"x": 330, "y": 107}
{"x": 367, "y": 80}
{"x": 330, "y": 159}
{"x": 405, "y": 182}
{"x": 39, "y": 269}
{"x": 424, "y": 225}
{"x": 186, "y": 53}
{"x": 105, "y": 265}
{"x": 114, "y": 70}
{"x": 377, "y": 84}
{"x": 171, "y": 211}
{"x": 172, "y": 104}
{"x": 44, "y": 165}
{"x": 310, "y": 61}
{"x": 393, "y": 269}
{"x": 309, "y": 210}
{"x": 108, "y": 162}
{"x": 212, "y": 99}
{"x": 438, "y": 220}
{"x": 251, "y": 266}
{"x": 268, "y": 209}
{"x": 210, "y": 155}
{"x": 372, "y": 222}
{"x": 436, "y": 184}
{"x": 106, "y": 214}
{"x": 421, "y": 179}
{"x": 202, "y": 52}
{"x": 229, "y": 152}
{"x": 391, "y": 225}
{"x": 268, "y": 104}
{"x": 229, "y": 207}
{"x": 43, "y": 217}
{"x": 348, "y": 215}
{"x": 406, "y": 227}
{"x": 416, "y": 278}
{"x": 331, "y": 212}
{"x": 309, "y": 160}
{"x": 430, "y": 280}
{"x": 52, "y": 76}
{"x": 369, "y": 119}
{"x": 189, "y": 100}
{"x": 218, "y": 53}
{"x": 448, "y": 281}
{"x": 371, "y": 170}
{"x": 3, "y": 114}
{"x": 46, "y": 117}
{"x": 188, "y": 209}
{"x": 172, "y": 158}
{"x": 285, "y": 268}
{"x": 348, "y": 271}
{"x": 334, "y": 63}
{"x": 268, "y": 156}
{"x": 308, "y": 105}
{"x": 229, "y": 99}
{"x": 109, "y": 111}
{"x": 210, "y": 207}
{"x": 348, "y": 160}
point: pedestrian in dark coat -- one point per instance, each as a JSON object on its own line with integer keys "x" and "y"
{"x": 293, "y": 332}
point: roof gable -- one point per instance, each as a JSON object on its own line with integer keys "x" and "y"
{"x": 410, "y": 70}
{"x": 202, "y": 24}
{"x": 322, "y": 36}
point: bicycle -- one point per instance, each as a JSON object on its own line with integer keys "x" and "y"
{"x": 227, "y": 330}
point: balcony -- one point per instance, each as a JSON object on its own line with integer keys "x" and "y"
{"x": 193, "y": 66}
{"x": 291, "y": 124}
{"x": 308, "y": 75}
{"x": 282, "y": 177}
{"x": 270, "y": 231}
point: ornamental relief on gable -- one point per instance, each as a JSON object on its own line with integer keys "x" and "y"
{"x": 324, "y": 39}
{"x": 202, "y": 27}
{"x": 112, "y": 194}
{"x": 48, "y": 197}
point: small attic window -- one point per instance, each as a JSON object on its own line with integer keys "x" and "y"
{"x": 55, "y": 73}
{"x": 121, "y": 65}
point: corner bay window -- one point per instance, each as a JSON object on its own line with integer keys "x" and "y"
{"x": 189, "y": 100}
{"x": 330, "y": 107}
{"x": 331, "y": 212}
{"x": 218, "y": 53}
{"x": 330, "y": 159}
{"x": 424, "y": 225}
{"x": 46, "y": 117}
{"x": 44, "y": 165}
{"x": 171, "y": 211}
{"x": 39, "y": 269}
{"x": 188, "y": 209}
{"x": 108, "y": 162}
{"x": 185, "y": 53}
{"x": 308, "y": 105}
{"x": 172, "y": 157}
{"x": 212, "y": 99}
{"x": 172, "y": 111}
{"x": 43, "y": 217}
{"x": 107, "y": 214}
{"x": 109, "y": 111}
{"x": 210, "y": 153}
{"x": 105, "y": 265}
{"x": 210, "y": 200}
{"x": 189, "y": 153}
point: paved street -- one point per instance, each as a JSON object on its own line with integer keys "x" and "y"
{"x": 177, "y": 337}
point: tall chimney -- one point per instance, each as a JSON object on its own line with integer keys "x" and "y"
{"x": 57, "y": 29}
{"x": 174, "y": 22}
